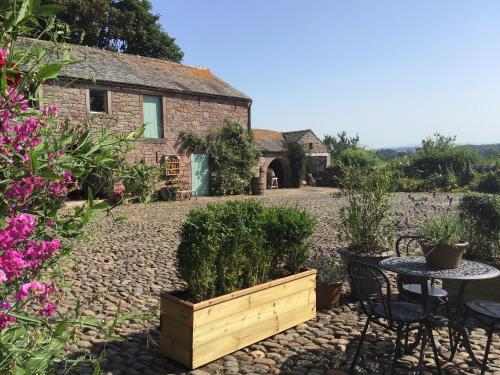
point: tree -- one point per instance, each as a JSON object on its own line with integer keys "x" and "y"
{"x": 338, "y": 144}
{"x": 118, "y": 25}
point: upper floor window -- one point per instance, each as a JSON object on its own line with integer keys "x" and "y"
{"x": 153, "y": 118}
{"x": 311, "y": 146}
{"x": 98, "y": 101}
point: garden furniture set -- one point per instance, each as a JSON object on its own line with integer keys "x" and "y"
{"x": 414, "y": 311}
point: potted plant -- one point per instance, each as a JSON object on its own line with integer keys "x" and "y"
{"x": 329, "y": 279}
{"x": 365, "y": 222}
{"x": 441, "y": 241}
{"x": 243, "y": 264}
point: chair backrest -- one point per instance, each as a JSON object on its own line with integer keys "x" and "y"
{"x": 407, "y": 246}
{"x": 370, "y": 286}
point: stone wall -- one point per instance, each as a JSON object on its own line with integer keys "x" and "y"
{"x": 308, "y": 140}
{"x": 181, "y": 112}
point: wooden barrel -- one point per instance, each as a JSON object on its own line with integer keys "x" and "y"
{"x": 258, "y": 186}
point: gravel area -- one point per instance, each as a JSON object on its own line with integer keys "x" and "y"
{"x": 128, "y": 264}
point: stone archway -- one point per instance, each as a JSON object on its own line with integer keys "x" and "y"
{"x": 277, "y": 167}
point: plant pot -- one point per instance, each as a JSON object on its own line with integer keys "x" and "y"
{"x": 198, "y": 333}
{"x": 328, "y": 295}
{"x": 443, "y": 257}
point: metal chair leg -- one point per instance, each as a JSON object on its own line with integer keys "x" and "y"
{"x": 434, "y": 348}
{"x": 397, "y": 349}
{"x": 458, "y": 338}
{"x": 448, "y": 316}
{"x": 363, "y": 334}
{"x": 487, "y": 351}
{"x": 420, "y": 364}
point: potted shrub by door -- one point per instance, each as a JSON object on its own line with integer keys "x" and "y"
{"x": 365, "y": 222}
{"x": 441, "y": 241}
{"x": 242, "y": 262}
{"x": 329, "y": 279}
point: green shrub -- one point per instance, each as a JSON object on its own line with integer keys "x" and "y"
{"x": 358, "y": 157}
{"x": 286, "y": 229}
{"x": 232, "y": 157}
{"x": 365, "y": 222}
{"x": 481, "y": 215}
{"x": 445, "y": 230}
{"x": 230, "y": 246}
{"x": 488, "y": 182}
{"x": 297, "y": 158}
{"x": 444, "y": 163}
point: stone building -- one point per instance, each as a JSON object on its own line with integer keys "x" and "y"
{"x": 126, "y": 91}
{"x": 274, "y": 157}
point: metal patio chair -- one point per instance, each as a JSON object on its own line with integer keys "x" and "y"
{"x": 373, "y": 289}
{"x": 487, "y": 313}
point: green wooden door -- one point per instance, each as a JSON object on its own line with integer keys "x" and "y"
{"x": 199, "y": 174}
{"x": 153, "y": 117}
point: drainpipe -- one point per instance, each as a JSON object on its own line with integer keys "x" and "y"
{"x": 249, "y": 117}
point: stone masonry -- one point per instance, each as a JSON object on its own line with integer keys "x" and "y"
{"x": 181, "y": 112}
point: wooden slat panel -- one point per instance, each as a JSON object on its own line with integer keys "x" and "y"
{"x": 253, "y": 316}
{"x": 177, "y": 331}
{"x": 176, "y": 310}
{"x": 241, "y": 338}
{"x": 228, "y": 308}
{"x": 176, "y": 350}
{"x": 256, "y": 288}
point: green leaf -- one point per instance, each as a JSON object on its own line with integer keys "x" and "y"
{"x": 120, "y": 219}
{"x": 49, "y": 71}
{"x": 97, "y": 369}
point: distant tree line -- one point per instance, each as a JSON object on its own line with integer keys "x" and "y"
{"x": 438, "y": 164}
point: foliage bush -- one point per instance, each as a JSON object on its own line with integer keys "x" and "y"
{"x": 365, "y": 222}
{"x": 488, "y": 182}
{"x": 444, "y": 230}
{"x": 234, "y": 245}
{"x": 297, "y": 159}
{"x": 358, "y": 157}
{"x": 443, "y": 164}
{"x": 481, "y": 215}
{"x": 232, "y": 157}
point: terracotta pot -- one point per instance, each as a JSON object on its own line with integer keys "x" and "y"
{"x": 443, "y": 257}
{"x": 328, "y": 295}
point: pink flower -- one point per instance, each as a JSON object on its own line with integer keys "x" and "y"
{"x": 48, "y": 309}
{"x": 3, "y": 277}
{"x": 58, "y": 188}
{"x": 5, "y": 320}
{"x": 35, "y": 288}
{"x": 12, "y": 264}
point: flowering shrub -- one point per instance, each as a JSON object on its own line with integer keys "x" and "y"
{"x": 38, "y": 167}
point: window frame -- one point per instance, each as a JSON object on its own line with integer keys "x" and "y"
{"x": 107, "y": 101}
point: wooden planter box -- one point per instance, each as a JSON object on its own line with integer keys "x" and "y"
{"x": 199, "y": 333}
{"x": 488, "y": 289}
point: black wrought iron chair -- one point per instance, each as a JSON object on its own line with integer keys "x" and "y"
{"x": 487, "y": 314}
{"x": 373, "y": 289}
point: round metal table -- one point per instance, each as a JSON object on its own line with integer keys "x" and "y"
{"x": 468, "y": 270}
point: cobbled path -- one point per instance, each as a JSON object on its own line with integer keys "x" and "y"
{"x": 126, "y": 265}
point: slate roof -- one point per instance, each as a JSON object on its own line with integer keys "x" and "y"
{"x": 275, "y": 141}
{"x": 132, "y": 70}
{"x": 269, "y": 140}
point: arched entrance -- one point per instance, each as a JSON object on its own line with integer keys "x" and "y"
{"x": 276, "y": 169}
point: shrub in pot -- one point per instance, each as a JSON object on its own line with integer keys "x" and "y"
{"x": 365, "y": 222}
{"x": 441, "y": 241}
{"x": 329, "y": 279}
{"x": 242, "y": 262}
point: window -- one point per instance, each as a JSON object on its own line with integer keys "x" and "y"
{"x": 153, "y": 118}
{"x": 98, "y": 101}
{"x": 311, "y": 146}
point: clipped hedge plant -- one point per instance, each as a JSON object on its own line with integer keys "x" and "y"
{"x": 481, "y": 214}
{"x": 235, "y": 245}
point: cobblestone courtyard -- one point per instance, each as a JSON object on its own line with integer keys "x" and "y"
{"x": 128, "y": 264}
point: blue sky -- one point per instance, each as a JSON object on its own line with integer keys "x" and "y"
{"x": 391, "y": 71}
